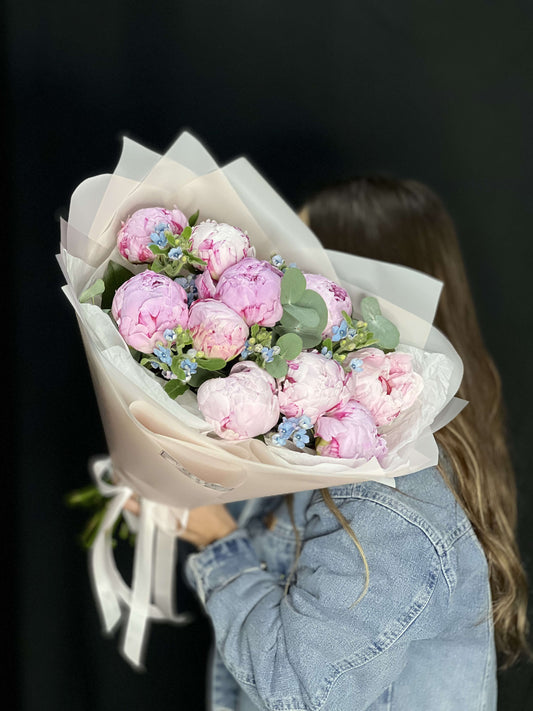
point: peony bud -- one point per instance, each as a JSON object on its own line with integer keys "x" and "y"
{"x": 216, "y": 329}
{"x": 219, "y": 245}
{"x": 314, "y": 385}
{"x": 241, "y": 406}
{"x": 252, "y": 288}
{"x": 385, "y": 384}
{"x": 135, "y": 235}
{"x": 349, "y": 432}
{"x": 145, "y": 306}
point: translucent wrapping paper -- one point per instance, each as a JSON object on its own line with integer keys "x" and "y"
{"x": 163, "y": 450}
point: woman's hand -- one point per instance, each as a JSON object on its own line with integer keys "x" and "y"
{"x": 205, "y": 523}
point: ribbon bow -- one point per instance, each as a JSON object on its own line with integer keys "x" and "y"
{"x": 151, "y": 596}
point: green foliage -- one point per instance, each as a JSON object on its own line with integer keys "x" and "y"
{"x": 135, "y": 354}
{"x": 293, "y": 286}
{"x": 195, "y": 260}
{"x": 148, "y": 361}
{"x": 175, "y": 388}
{"x": 277, "y": 367}
{"x": 202, "y": 375}
{"x": 210, "y": 363}
{"x": 186, "y": 234}
{"x": 176, "y": 368}
{"x": 304, "y": 311}
{"x": 156, "y": 249}
{"x": 193, "y": 219}
{"x": 327, "y": 343}
{"x": 171, "y": 239}
{"x": 385, "y": 332}
{"x": 176, "y": 266}
{"x": 115, "y": 275}
{"x": 97, "y": 288}
{"x": 89, "y": 498}
{"x": 290, "y": 345}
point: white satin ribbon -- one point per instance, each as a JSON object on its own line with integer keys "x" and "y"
{"x": 151, "y": 596}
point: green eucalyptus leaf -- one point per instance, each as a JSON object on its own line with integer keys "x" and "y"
{"x": 290, "y": 345}
{"x": 277, "y": 367}
{"x": 97, "y": 288}
{"x": 310, "y": 299}
{"x": 385, "y": 332}
{"x": 288, "y": 324}
{"x": 305, "y": 317}
{"x": 211, "y": 363}
{"x": 115, "y": 275}
{"x": 370, "y": 308}
{"x": 310, "y": 339}
{"x": 293, "y": 286}
{"x": 175, "y": 388}
{"x": 194, "y": 218}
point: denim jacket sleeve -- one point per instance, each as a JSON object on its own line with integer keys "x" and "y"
{"x": 318, "y": 647}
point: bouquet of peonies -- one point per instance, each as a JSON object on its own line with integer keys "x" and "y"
{"x": 262, "y": 345}
{"x": 233, "y": 357}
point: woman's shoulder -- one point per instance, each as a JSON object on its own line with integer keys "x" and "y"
{"x": 422, "y": 499}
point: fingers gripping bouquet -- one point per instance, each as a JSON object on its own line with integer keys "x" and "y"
{"x": 233, "y": 357}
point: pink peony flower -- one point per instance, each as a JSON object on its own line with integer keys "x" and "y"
{"x": 313, "y": 386}
{"x": 349, "y": 432}
{"x": 205, "y": 285}
{"x": 134, "y": 235}
{"x": 220, "y": 245}
{"x": 386, "y": 383}
{"x": 145, "y": 306}
{"x": 216, "y": 329}
{"x": 242, "y": 405}
{"x": 337, "y": 299}
{"x": 252, "y": 288}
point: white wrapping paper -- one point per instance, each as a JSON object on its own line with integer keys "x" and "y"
{"x": 163, "y": 450}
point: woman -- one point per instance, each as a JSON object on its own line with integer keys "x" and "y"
{"x": 366, "y": 596}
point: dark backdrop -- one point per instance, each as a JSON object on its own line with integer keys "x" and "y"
{"x": 310, "y": 92}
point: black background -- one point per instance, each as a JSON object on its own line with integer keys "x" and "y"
{"x": 309, "y": 92}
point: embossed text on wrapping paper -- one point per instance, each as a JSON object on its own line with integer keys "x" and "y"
{"x": 197, "y": 480}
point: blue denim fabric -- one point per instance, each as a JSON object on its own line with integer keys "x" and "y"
{"x": 421, "y": 637}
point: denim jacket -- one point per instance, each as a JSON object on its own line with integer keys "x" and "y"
{"x": 421, "y": 638}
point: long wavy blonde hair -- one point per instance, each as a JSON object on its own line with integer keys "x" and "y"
{"x": 404, "y": 222}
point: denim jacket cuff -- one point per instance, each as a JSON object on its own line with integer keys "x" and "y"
{"x": 220, "y": 563}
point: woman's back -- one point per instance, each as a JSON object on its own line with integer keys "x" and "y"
{"x": 420, "y": 638}
{"x": 405, "y": 222}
